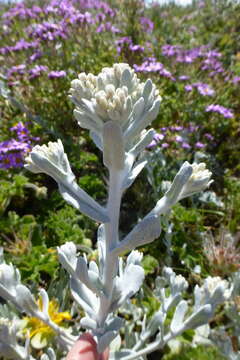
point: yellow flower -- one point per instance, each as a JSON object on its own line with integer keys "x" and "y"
{"x": 40, "y": 333}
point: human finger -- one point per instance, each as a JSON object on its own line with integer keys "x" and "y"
{"x": 85, "y": 348}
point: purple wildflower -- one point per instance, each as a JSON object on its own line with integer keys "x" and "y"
{"x": 12, "y": 151}
{"x": 227, "y": 113}
{"x": 204, "y": 89}
{"x": 165, "y": 145}
{"x": 192, "y": 128}
{"x": 158, "y": 137}
{"x": 212, "y": 65}
{"x": 79, "y": 18}
{"x": 147, "y": 24}
{"x": 179, "y": 139}
{"x": 183, "y": 77}
{"x": 35, "y": 56}
{"x": 188, "y": 87}
{"x": 57, "y": 74}
{"x": 152, "y": 144}
{"x": 22, "y": 12}
{"x": 182, "y": 55}
{"x": 22, "y": 44}
{"x": 13, "y": 145}
{"x": 199, "y": 145}
{"x": 185, "y": 145}
{"x": 5, "y": 50}
{"x": 170, "y": 50}
{"x": 48, "y": 31}
{"x": 21, "y": 131}
{"x": 17, "y": 69}
{"x": 236, "y": 80}
{"x": 138, "y": 48}
{"x": 176, "y": 128}
{"x": 12, "y": 160}
{"x": 100, "y": 17}
{"x": 209, "y": 136}
{"x": 107, "y": 27}
{"x": 36, "y": 71}
{"x": 152, "y": 65}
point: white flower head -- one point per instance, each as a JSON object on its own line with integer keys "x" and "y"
{"x": 214, "y": 291}
{"x": 116, "y": 94}
{"x": 9, "y": 280}
{"x": 68, "y": 256}
{"x": 198, "y": 181}
{"x": 189, "y": 180}
{"x": 50, "y": 159}
{"x": 212, "y": 284}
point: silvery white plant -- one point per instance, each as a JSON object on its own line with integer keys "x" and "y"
{"x": 229, "y": 345}
{"x": 169, "y": 290}
{"x": 12, "y": 290}
{"x": 116, "y": 108}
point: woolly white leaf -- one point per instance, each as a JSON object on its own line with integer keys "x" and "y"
{"x": 105, "y": 340}
{"x": 88, "y": 323}
{"x": 26, "y": 300}
{"x": 128, "y": 181}
{"x": 199, "y": 318}
{"x": 84, "y": 297}
{"x": 146, "y": 231}
{"x": 81, "y": 201}
{"x": 178, "y": 317}
{"x": 67, "y": 255}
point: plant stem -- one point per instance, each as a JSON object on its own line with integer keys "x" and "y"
{"x": 111, "y": 240}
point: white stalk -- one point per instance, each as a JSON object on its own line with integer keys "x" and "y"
{"x": 111, "y": 239}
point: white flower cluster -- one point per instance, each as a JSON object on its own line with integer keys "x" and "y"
{"x": 115, "y": 94}
{"x": 198, "y": 181}
{"x": 52, "y": 160}
{"x": 53, "y": 155}
{"x": 190, "y": 179}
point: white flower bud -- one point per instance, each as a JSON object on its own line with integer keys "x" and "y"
{"x": 114, "y": 95}
{"x": 50, "y": 159}
{"x": 9, "y": 280}
{"x": 189, "y": 180}
{"x": 214, "y": 291}
{"x": 110, "y": 90}
{"x": 198, "y": 181}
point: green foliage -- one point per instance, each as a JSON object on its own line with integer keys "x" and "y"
{"x": 11, "y": 187}
{"x": 200, "y": 353}
{"x": 38, "y": 264}
{"x": 232, "y": 190}
{"x": 67, "y": 225}
{"x": 150, "y": 264}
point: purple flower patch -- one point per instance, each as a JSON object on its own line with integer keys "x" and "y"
{"x": 227, "y": 113}
{"x": 151, "y": 65}
{"x": 199, "y": 145}
{"x": 57, "y": 74}
{"x": 13, "y": 151}
{"x": 36, "y": 71}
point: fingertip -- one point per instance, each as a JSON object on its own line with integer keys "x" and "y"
{"x": 85, "y": 348}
